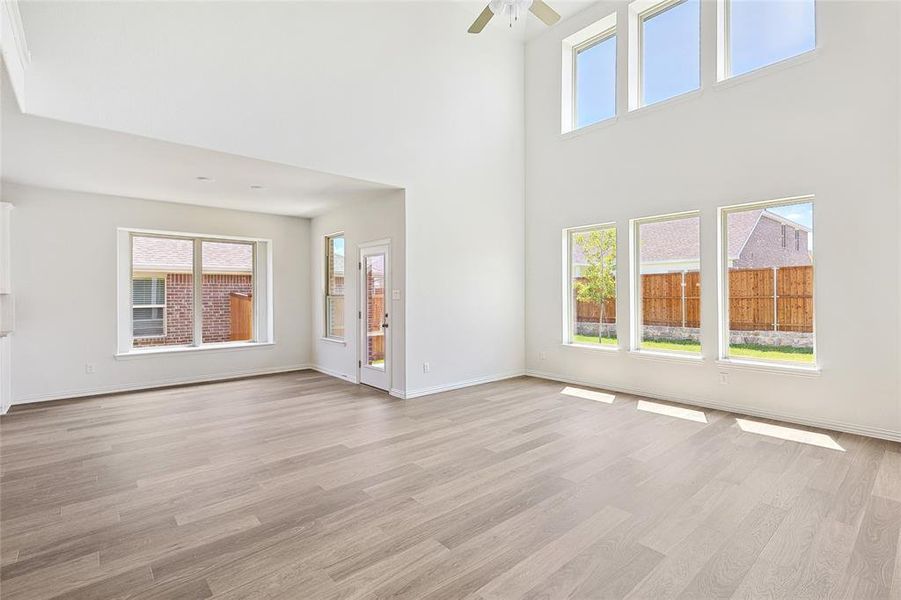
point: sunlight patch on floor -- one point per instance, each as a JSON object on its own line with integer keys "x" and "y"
{"x": 679, "y": 412}
{"x": 789, "y": 433}
{"x": 588, "y": 394}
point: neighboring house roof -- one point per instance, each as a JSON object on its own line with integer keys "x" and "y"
{"x": 677, "y": 240}
{"x": 152, "y": 254}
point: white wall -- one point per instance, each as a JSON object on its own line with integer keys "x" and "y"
{"x": 824, "y": 125}
{"x": 394, "y": 92}
{"x": 363, "y": 222}
{"x": 64, "y": 265}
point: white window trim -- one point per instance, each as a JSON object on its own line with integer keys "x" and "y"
{"x": 722, "y": 289}
{"x": 639, "y": 12}
{"x": 163, "y": 306}
{"x": 568, "y": 314}
{"x": 325, "y": 290}
{"x": 636, "y": 293}
{"x": 263, "y": 323}
{"x": 596, "y": 33}
{"x": 724, "y": 45}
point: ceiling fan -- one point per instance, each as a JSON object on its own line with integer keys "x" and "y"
{"x": 514, "y": 8}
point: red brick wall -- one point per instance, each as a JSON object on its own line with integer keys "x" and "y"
{"x": 764, "y": 247}
{"x": 216, "y": 310}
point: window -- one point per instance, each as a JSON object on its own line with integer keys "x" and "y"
{"x": 768, "y": 303}
{"x": 667, "y": 284}
{"x": 757, "y": 33}
{"x": 591, "y": 286}
{"x": 665, "y": 52}
{"x": 596, "y": 80}
{"x": 227, "y": 291}
{"x": 191, "y": 291}
{"x": 162, "y": 291}
{"x": 589, "y": 75}
{"x": 334, "y": 286}
{"x": 149, "y": 307}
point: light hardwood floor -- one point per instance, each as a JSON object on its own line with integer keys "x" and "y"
{"x": 302, "y": 486}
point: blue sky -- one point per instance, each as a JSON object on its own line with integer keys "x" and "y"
{"x": 766, "y": 31}
{"x": 672, "y": 52}
{"x": 761, "y": 32}
{"x": 799, "y": 213}
{"x": 596, "y": 83}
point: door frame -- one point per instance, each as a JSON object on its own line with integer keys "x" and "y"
{"x": 361, "y": 323}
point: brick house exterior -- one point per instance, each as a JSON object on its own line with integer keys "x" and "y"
{"x": 774, "y": 242}
{"x": 228, "y": 274}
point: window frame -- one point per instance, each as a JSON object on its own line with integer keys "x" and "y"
{"x": 723, "y": 324}
{"x": 152, "y": 276}
{"x": 568, "y": 302}
{"x": 635, "y": 288}
{"x": 599, "y": 31}
{"x": 326, "y": 295}
{"x": 609, "y": 33}
{"x": 263, "y": 324}
{"x": 724, "y": 43}
{"x": 641, "y": 11}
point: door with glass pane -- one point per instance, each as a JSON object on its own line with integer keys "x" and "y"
{"x": 375, "y": 333}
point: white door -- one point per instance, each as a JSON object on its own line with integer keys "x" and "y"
{"x": 375, "y": 333}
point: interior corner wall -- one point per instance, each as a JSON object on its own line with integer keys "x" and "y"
{"x": 360, "y": 222}
{"x": 822, "y": 124}
{"x": 415, "y": 102}
{"x": 64, "y": 274}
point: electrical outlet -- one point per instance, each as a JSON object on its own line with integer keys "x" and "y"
{"x": 426, "y": 367}
{"x": 89, "y": 368}
{"x": 724, "y": 378}
{"x": 542, "y": 355}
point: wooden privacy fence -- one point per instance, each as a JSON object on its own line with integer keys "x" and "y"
{"x": 241, "y": 316}
{"x": 774, "y": 299}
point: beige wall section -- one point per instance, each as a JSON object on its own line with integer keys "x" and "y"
{"x": 818, "y": 125}
{"x": 64, "y": 266}
{"x": 361, "y": 222}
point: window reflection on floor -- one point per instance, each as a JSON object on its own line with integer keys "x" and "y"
{"x": 588, "y": 394}
{"x": 672, "y": 411}
{"x": 791, "y": 434}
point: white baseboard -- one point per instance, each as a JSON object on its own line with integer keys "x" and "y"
{"x": 876, "y": 432}
{"x": 462, "y": 384}
{"x": 397, "y": 393}
{"x": 162, "y": 383}
{"x": 333, "y": 373}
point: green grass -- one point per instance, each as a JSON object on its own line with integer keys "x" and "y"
{"x": 753, "y": 351}
{"x": 593, "y": 340}
{"x": 783, "y": 353}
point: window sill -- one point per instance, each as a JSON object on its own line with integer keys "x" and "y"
{"x": 692, "y": 359}
{"x": 598, "y": 347}
{"x": 333, "y": 340}
{"x": 765, "y": 70}
{"x": 778, "y": 368}
{"x": 188, "y": 349}
{"x": 589, "y": 128}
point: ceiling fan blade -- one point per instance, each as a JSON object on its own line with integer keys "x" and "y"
{"x": 544, "y": 12}
{"x": 482, "y": 20}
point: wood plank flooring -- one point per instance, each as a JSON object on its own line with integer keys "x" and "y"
{"x": 302, "y": 486}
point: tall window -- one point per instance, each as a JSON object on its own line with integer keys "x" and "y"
{"x": 668, "y": 48}
{"x": 334, "y": 286}
{"x": 761, "y": 32}
{"x": 191, "y": 291}
{"x": 227, "y": 291}
{"x": 591, "y": 286}
{"x": 768, "y": 284}
{"x": 162, "y": 291}
{"x": 595, "y": 79}
{"x": 668, "y": 283}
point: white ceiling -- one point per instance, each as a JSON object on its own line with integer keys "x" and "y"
{"x": 50, "y": 153}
